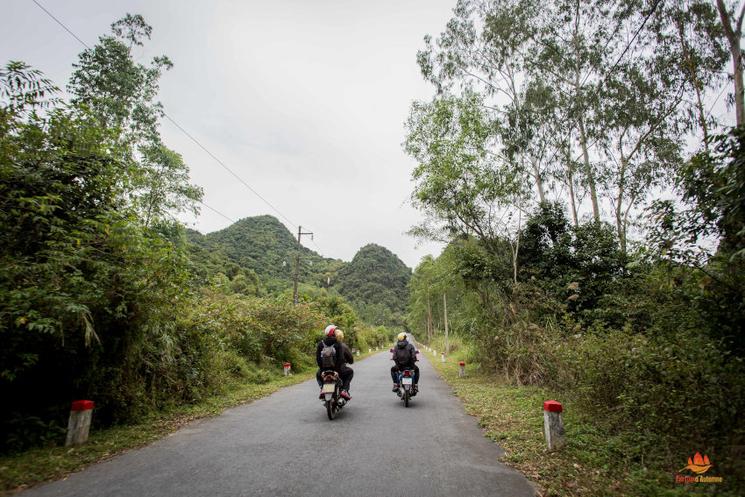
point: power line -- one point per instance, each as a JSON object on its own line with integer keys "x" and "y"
{"x": 628, "y": 45}
{"x": 189, "y": 135}
{"x": 61, "y": 24}
{"x": 608, "y": 73}
{"x": 217, "y": 212}
{"x": 724, "y": 88}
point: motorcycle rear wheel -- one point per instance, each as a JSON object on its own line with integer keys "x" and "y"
{"x": 331, "y": 409}
{"x": 406, "y": 398}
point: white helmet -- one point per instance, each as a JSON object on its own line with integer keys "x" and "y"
{"x": 330, "y": 331}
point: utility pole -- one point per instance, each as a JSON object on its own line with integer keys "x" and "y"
{"x": 429, "y": 320}
{"x": 297, "y": 263}
{"x": 445, "y": 306}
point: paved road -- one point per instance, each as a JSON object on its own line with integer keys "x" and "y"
{"x": 284, "y": 445}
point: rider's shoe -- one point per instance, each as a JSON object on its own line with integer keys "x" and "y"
{"x": 395, "y": 387}
{"x": 345, "y": 395}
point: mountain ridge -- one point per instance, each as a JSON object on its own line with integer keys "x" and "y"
{"x": 375, "y": 281}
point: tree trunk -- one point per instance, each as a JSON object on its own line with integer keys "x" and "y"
{"x": 733, "y": 38}
{"x": 620, "y": 220}
{"x": 620, "y": 223}
{"x": 690, "y": 64}
{"x": 739, "y": 101}
{"x": 590, "y": 177}
{"x": 445, "y": 311}
{"x": 570, "y": 183}
{"x": 429, "y": 321}
{"x": 516, "y": 248}
{"x": 538, "y": 181}
{"x": 588, "y": 171}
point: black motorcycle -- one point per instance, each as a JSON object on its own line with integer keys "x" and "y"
{"x": 406, "y": 388}
{"x": 332, "y": 393}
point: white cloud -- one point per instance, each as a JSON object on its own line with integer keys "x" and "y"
{"x": 304, "y": 100}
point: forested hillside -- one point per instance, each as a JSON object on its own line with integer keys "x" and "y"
{"x": 265, "y": 246}
{"x": 593, "y": 250}
{"x": 376, "y": 283}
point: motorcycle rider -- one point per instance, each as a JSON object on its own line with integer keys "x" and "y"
{"x": 334, "y": 357}
{"x": 404, "y": 356}
{"x": 347, "y": 358}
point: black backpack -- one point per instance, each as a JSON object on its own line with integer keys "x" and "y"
{"x": 402, "y": 354}
{"x": 328, "y": 356}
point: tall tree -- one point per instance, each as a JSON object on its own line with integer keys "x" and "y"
{"x": 121, "y": 93}
{"x": 690, "y": 34}
{"x": 733, "y": 31}
{"x": 485, "y": 49}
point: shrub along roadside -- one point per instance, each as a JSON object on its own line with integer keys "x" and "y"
{"x": 20, "y": 471}
{"x": 48, "y": 463}
{"x": 596, "y": 461}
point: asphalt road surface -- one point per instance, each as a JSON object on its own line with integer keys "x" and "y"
{"x": 284, "y": 445}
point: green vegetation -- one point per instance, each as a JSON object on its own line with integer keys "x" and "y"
{"x": 105, "y": 295}
{"x": 634, "y": 321}
{"x": 264, "y": 245}
{"x": 21, "y": 470}
{"x": 375, "y": 282}
{"x": 263, "y": 250}
{"x": 594, "y": 461}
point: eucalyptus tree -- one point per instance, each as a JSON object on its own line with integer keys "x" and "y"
{"x": 460, "y": 181}
{"x": 642, "y": 119}
{"x": 690, "y": 33}
{"x": 574, "y": 43}
{"x": 732, "y": 27}
{"x": 121, "y": 93}
{"x": 642, "y": 138}
{"x": 485, "y": 49}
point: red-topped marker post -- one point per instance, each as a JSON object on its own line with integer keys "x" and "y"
{"x": 553, "y": 426}
{"x": 461, "y": 369}
{"x": 286, "y": 368}
{"x": 79, "y": 423}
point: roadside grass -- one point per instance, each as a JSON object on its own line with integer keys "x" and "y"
{"x": 593, "y": 463}
{"x": 20, "y": 471}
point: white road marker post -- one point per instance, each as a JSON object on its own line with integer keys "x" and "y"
{"x": 79, "y": 423}
{"x": 286, "y": 368}
{"x": 442, "y": 357}
{"x": 461, "y": 369}
{"x": 553, "y": 426}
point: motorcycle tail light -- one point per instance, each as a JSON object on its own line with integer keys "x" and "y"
{"x": 407, "y": 373}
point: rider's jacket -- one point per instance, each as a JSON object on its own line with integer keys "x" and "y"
{"x": 347, "y": 356}
{"x": 411, "y": 355}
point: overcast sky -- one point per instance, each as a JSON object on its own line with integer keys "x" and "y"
{"x": 304, "y": 99}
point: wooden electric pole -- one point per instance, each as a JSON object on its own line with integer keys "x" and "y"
{"x": 445, "y": 306}
{"x": 429, "y": 321}
{"x": 297, "y": 263}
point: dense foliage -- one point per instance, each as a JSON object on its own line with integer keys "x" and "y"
{"x": 265, "y": 246}
{"x": 634, "y": 313}
{"x": 103, "y": 293}
{"x": 375, "y": 282}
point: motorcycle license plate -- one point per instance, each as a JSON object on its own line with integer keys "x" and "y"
{"x": 329, "y": 388}
{"x": 407, "y": 381}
